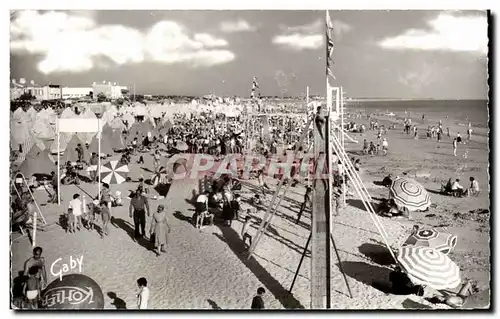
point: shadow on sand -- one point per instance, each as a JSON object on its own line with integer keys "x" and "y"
{"x": 410, "y": 304}
{"x": 129, "y": 229}
{"x": 377, "y": 253}
{"x": 213, "y": 304}
{"x": 371, "y": 275}
{"x": 234, "y": 242}
{"x": 117, "y": 302}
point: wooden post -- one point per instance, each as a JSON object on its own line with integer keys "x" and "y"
{"x": 321, "y": 226}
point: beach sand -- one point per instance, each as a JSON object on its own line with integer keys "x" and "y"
{"x": 208, "y": 269}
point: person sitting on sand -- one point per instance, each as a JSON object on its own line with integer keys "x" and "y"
{"x": 372, "y": 150}
{"x": 32, "y": 287}
{"x": 365, "y": 147}
{"x": 117, "y": 200}
{"x": 457, "y": 189}
{"x": 387, "y": 181}
{"x": 446, "y": 189}
{"x": 473, "y": 189}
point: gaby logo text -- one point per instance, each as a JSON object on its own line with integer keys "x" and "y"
{"x": 59, "y": 268}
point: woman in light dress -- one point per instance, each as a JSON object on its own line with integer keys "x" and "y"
{"x": 159, "y": 230}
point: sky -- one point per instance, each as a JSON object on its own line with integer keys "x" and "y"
{"x": 379, "y": 54}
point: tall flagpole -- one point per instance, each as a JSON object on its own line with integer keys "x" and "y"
{"x": 58, "y": 165}
{"x": 99, "y": 156}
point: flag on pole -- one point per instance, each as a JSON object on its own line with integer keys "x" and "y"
{"x": 32, "y": 82}
{"x": 255, "y": 86}
{"x": 22, "y": 81}
{"x": 329, "y": 45}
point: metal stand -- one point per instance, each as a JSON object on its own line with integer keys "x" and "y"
{"x": 304, "y": 255}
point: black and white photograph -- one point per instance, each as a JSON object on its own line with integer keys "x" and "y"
{"x": 249, "y": 160}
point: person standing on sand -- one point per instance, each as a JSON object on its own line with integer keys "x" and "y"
{"x": 143, "y": 295}
{"x": 257, "y": 301}
{"x": 246, "y": 227}
{"x": 439, "y": 132}
{"x": 139, "y": 207}
{"x": 455, "y": 146}
{"x": 38, "y": 261}
{"x": 415, "y": 132}
{"x": 160, "y": 230}
{"x": 156, "y": 157}
{"x": 32, "y": 287}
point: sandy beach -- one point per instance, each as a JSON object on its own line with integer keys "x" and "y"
{"x": 208, "y": 269}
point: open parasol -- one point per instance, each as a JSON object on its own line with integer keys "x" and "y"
{"x": 429, "y": 267}
{"x": 408, "y": 193}
{"x": 181, "y": 146}
{"x": 440, "y": 241}
{"x": 114, "y": 172}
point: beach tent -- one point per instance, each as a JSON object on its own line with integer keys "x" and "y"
{"x": 19, "y": 131}
{"x": 105, "y": 144}
{"x": 116, "y": 140}
{"x": 19, "y": 115}
{"x": 117, "y": 124}
{"x": 129, "y": 119}
{"x": 86, "y": 137}
{"x": 40, "y": 164}
{"x": 42, "y": 129}
{"x": 70, "y": 153}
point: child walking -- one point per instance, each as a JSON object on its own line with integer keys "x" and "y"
{"x": 32, "y": 287}
{"x": 246, "y": 228}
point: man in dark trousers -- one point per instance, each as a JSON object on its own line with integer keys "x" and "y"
{"x": 139, "y": 207}
{"x": 257, "y": 301}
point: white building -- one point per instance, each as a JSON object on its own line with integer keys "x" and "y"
{"x": 75, "y": 92}
{"x": 46, "y": 92}
{"x": 110, "y": 90}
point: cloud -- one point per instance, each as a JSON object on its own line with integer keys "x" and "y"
{"x": 340, "y": 28}
{"x": 301, "y": 37}
{"x": 73, "y": 42}
{"x": 236, "y": 26}
{"x": 299, "y": 41}
{"x": 446, "y": 32}
{"x": 316, "y": 26}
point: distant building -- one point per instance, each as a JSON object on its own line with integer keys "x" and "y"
{"x": 75, "y": 92}
{"x": 110, "y": 90}
{"x": 46, "y": 92}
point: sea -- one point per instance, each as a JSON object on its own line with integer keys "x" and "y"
{"x": 460, "y": 111}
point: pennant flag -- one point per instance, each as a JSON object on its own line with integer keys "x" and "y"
{"x": 329, "y": 45}
{"x": 255, "y": 86}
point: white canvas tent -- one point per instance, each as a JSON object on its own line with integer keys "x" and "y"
{"x": 78, "y": 125}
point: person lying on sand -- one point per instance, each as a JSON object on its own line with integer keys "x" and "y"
{"x": 459, "y": 299}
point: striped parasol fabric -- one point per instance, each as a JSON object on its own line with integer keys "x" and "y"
{"x": 428, "y": 267}
{"x": 408, "y": 193}
{"x": 440, "y": 241}
{"x": 114, "y": 172}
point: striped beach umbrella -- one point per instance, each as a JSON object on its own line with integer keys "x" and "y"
{"x": 408, "y": 193}
{"x": 429, "y": 267}
{"x": 114, "y": 172}
{"x": 440, "y": 241}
